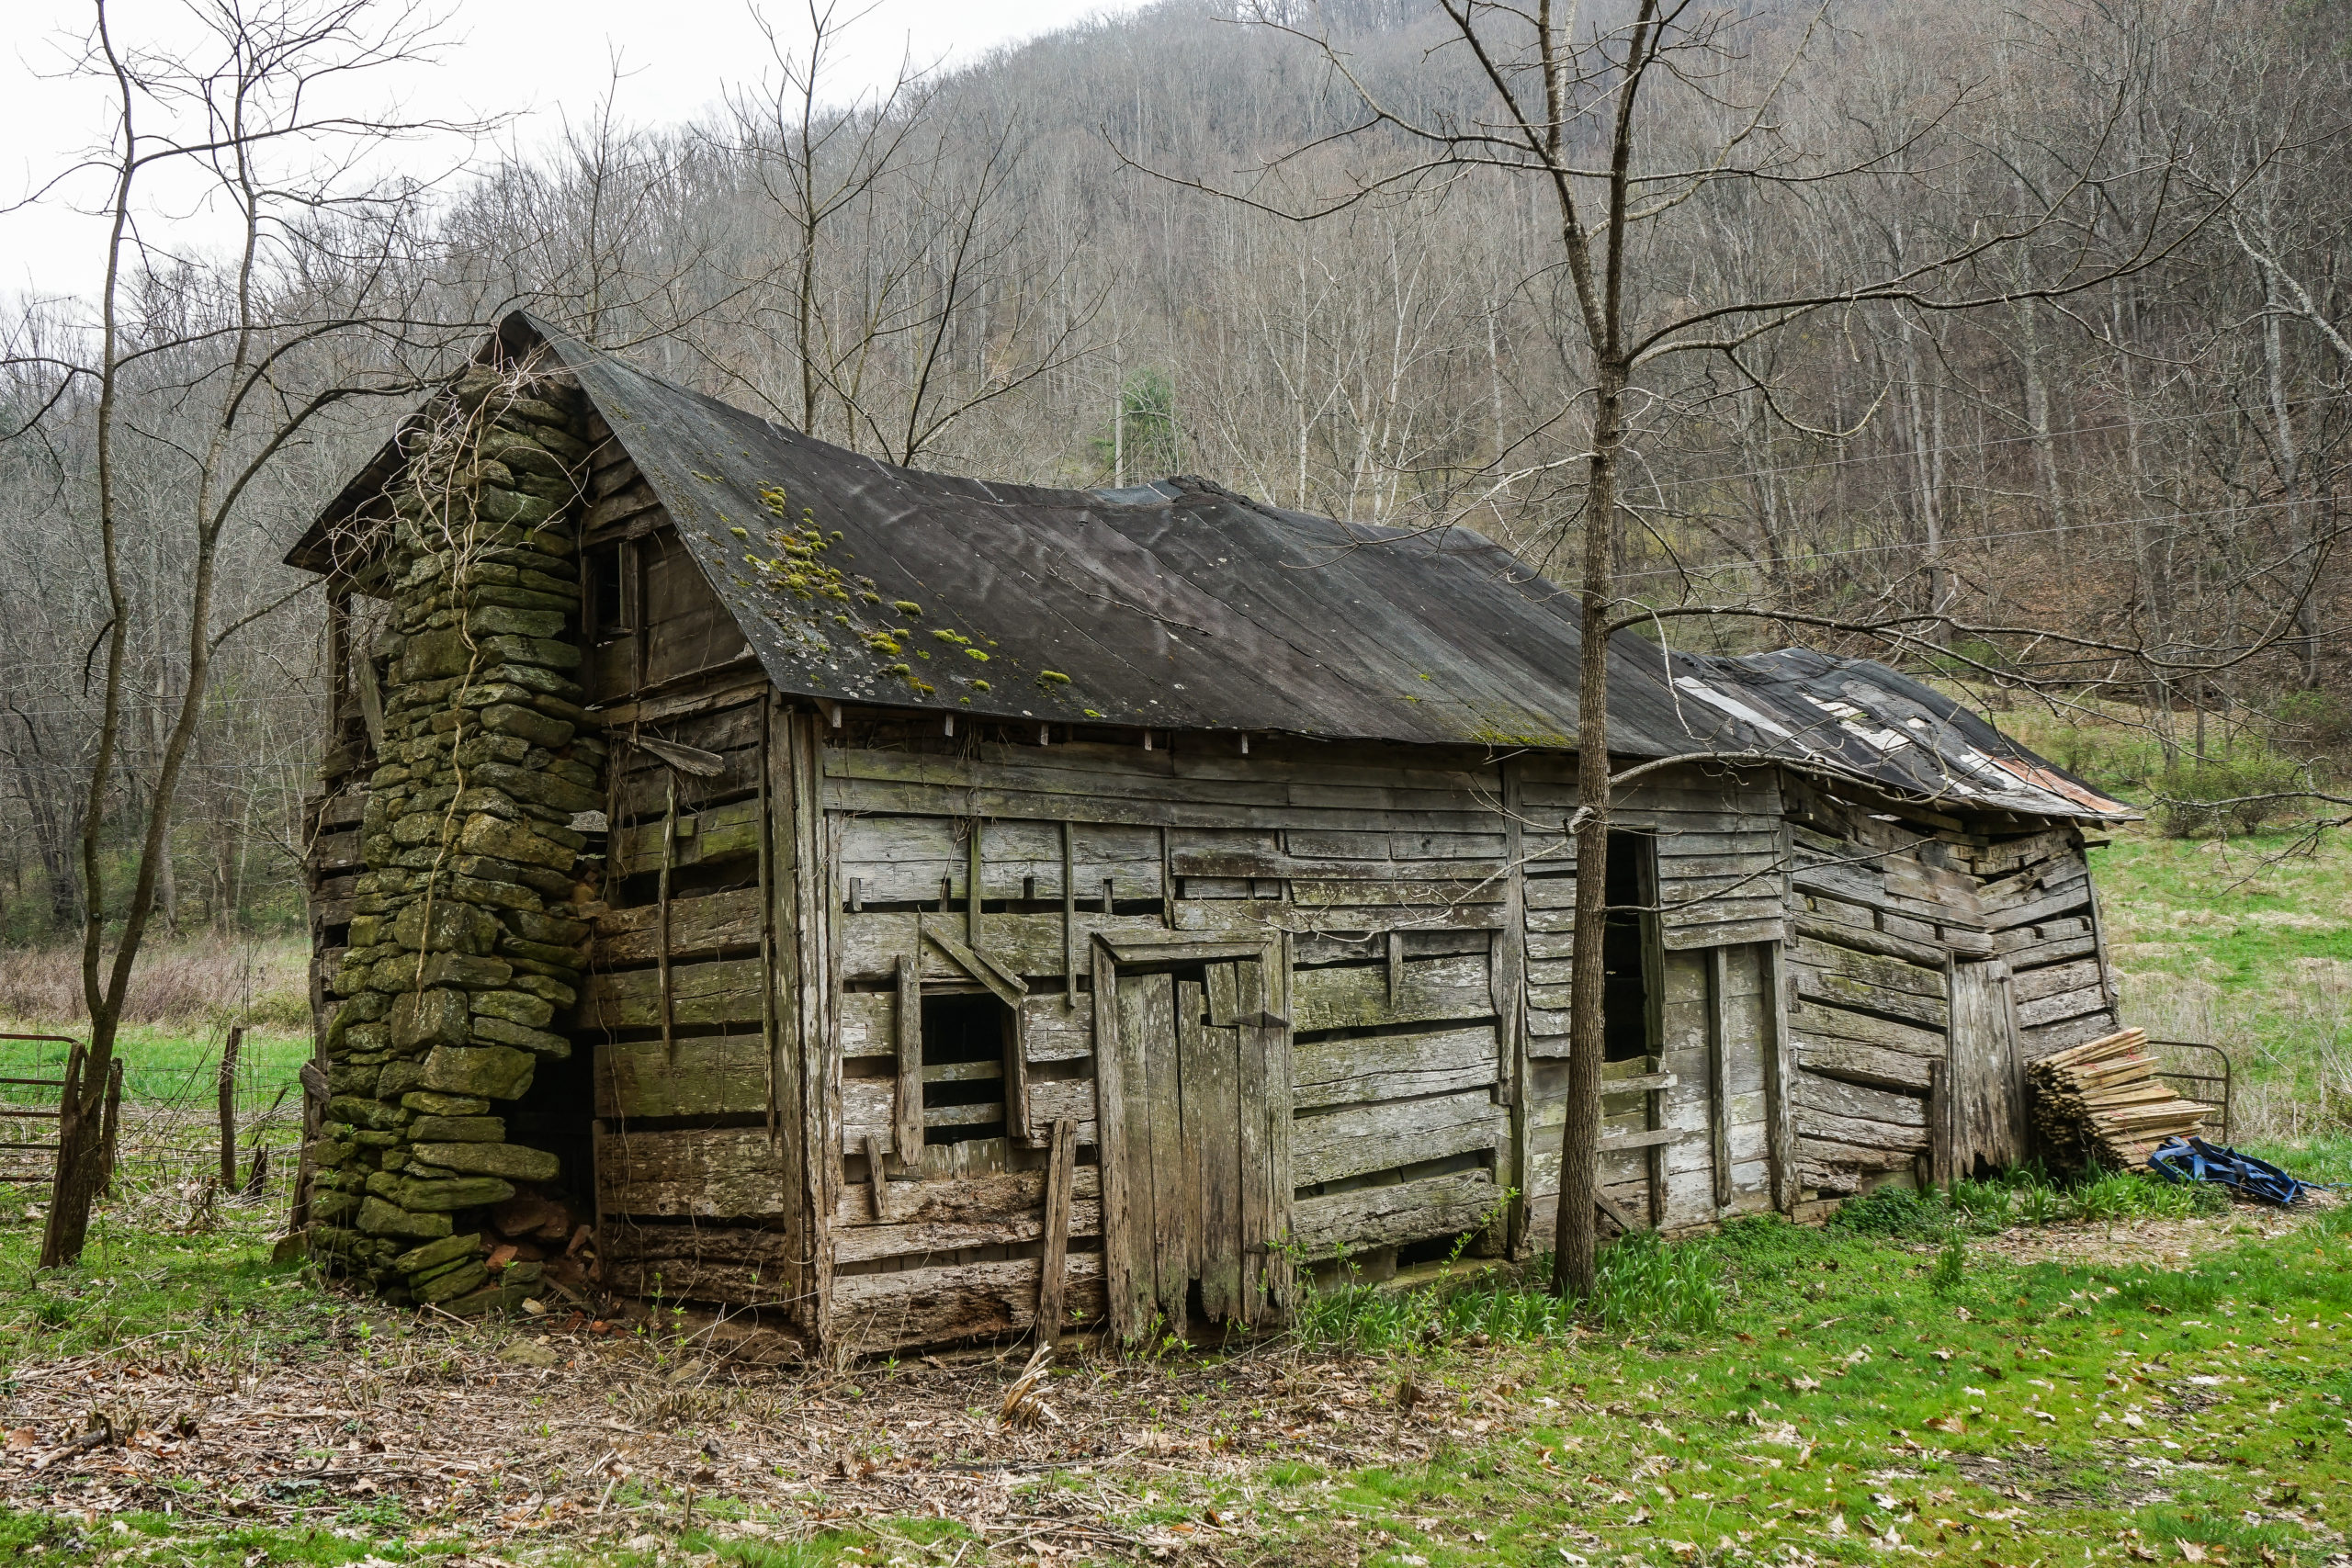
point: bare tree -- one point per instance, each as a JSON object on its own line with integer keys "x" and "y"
{"x": 1642, "y": 123}
{"x": 244, "y": 364}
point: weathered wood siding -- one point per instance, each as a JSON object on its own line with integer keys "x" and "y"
{"x": 699, "y": 1186}
{"x": 1666, "y": 1172}
{"x": 1885, "y": 901}
{"x": 1385, "y": 867}
{"x": 758, "y": 1088}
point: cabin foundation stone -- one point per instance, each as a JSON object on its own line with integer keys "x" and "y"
{"x": 466, "y": 934}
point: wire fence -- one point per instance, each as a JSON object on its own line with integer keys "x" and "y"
{"x": 168, "y": 1171}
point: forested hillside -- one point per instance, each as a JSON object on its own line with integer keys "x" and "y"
{"x": 2115, "y": 408}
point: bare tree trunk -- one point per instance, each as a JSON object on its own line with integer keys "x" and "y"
{"x": 1575, "y": 1239}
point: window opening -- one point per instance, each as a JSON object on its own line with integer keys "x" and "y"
{"x": 1624, "y": 950}
{"x": 613, "y": 602}
{"x": 964, "y": 1036}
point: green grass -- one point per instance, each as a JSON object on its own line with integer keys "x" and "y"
{"x": 1982, "y": 1411}
{"x": 162, "y": 1062}
{"x": 2247, "y": 944}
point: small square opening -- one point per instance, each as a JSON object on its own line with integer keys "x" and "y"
{"x": 964, "y": 1037}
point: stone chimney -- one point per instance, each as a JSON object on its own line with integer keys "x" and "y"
{"x": 467, "y": 938}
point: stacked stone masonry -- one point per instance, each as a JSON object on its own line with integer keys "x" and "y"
{"x": 467, "y": 939}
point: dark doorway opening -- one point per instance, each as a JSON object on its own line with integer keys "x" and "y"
{"x": 1624, "y": 949}
{"x": 965, "y": 1038}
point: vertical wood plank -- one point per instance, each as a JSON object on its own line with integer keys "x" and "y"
{"x": 1192, "y": 1072}
{"x": 1940, "y": 1162}
{"x": 816, "y": 892}
{"x": 1154, "y": 1050}
{"x": 972, "y": 887}
{"x": 1125, "y": 1232}
{"x": 1396, "y": 967}
{"x": 1060, "y": 1179}
{"x": 1221, "y": 1182}
{"x": 1016, "y": 1077}
{"x": 1654, "y": 1004}
{"x": 1213, "y": 1104}
{"x": 1167, "y": 881}
{"x": 1779, "y": 1129}
{"x": 1069, "y": 916}
{"x": 906, "y": 1117}
{"x": 661, "y": 901}
{"x": 877, "y": 1178}
{"x": 1273, "y": 989}
{"x": 1719, "y": 1073}
{"x": 1255, "y": 1179}
{"x": 2020, "y": 1126}
{"x": 767, "y": 941}
{"x": 1984, "y": 1068}
{"x": 801, "y": 1084}
{"x": 1507, "y": 977}
{"x": 2107, "y": 985}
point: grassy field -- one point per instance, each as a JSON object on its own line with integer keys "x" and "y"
{"x": 2246, "y": 943}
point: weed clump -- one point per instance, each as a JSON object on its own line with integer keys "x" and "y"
{"x": 2022, "y": 1196}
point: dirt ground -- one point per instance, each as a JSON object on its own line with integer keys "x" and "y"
{"x": 512, "y": 1435}
{"x": 2162, "y": 1244}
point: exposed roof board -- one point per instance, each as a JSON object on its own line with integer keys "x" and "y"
{"x": 1858, "y": 718}
{"x": 1182, "y": 606}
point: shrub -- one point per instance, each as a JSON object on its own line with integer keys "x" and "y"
{"x": 2320, "y": 718}
{"x": 2226, "y": 794}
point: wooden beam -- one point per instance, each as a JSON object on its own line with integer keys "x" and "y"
{"x": 1719, "y": 1074}
{"x": 1060, "y": 1173}
{"x": 1127, "y": 1291}
{"x": 972, "y": 887}
{"x": 1780, "y": 1136}
{"x": 1650, "y": 1138}
{"x": 1838, "y": 934}
{"x": 876, "y": 1179}
{"x": 1009, "y": 987}
{"x": 1615, "y": 1215}
{"x": 905, "y": 1120}
{"x": 1069, "y": 916}
{"x": 1016, "y": 1076}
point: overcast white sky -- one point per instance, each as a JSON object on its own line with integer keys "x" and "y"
{"x": 548, "y": 59}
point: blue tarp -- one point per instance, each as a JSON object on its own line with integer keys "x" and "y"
{"x": 2193, "y": 1159}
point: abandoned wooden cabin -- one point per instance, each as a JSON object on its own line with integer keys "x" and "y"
{"x": 748, "y": 872}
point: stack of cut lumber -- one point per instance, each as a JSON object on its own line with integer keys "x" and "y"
{"x": 2102, "y": 1104}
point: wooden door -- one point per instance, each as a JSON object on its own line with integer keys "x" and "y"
{"x": 1986, "y": 1098}
{"x": 1194, "y": 1125}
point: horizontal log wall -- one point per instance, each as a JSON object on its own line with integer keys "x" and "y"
{"x": 695, "y": 1161}
{"x": 1393, "y": 882}
{"x": 1884, "y": 899}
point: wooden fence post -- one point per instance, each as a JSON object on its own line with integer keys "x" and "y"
{"x": 227, "y": 1084}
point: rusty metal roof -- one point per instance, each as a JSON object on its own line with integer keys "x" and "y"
{"x": 1183, "y": 605}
